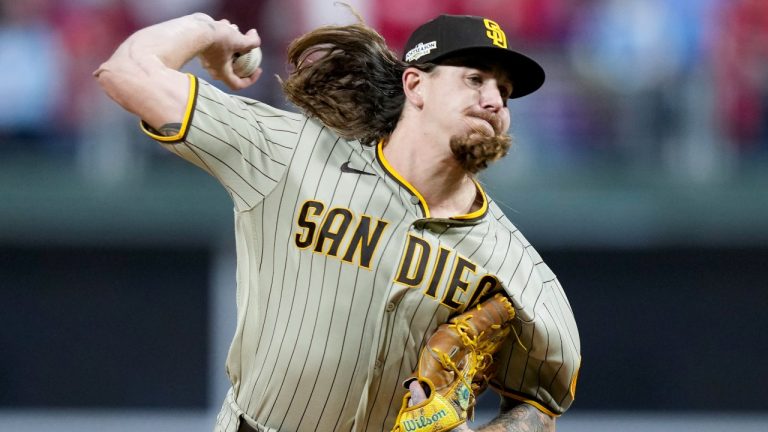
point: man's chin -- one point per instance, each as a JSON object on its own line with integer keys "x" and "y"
{"x": 476, "y": 151}
{"x": 484, "y": 133}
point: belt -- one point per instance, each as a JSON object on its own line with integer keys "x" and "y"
{"x": 245, "y": 427}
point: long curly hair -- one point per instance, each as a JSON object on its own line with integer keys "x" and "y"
{"x": 348, "y": 78}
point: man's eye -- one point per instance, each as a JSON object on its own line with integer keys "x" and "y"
{"x": 475, "y": 79}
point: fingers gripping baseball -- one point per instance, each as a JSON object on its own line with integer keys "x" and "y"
{"x": 453, "y": 368}
{"x": 228, "y": 44}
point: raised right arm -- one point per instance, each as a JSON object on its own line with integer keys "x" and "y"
{"x": 143, "y": 73}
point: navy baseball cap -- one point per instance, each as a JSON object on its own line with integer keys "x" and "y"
{"x": 450, "y": 36}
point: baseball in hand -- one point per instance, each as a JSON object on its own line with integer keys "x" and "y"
{"x": 246, "y": 64}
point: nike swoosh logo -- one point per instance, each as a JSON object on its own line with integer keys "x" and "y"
{"x": 345, "y": 168}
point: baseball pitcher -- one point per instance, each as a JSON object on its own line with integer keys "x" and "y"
{"x": 378, "y": 286}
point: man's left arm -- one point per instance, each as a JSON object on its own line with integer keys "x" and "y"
{"x": 519, "y": 417}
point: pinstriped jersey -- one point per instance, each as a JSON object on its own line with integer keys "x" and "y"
{"x": 342, "y": 275}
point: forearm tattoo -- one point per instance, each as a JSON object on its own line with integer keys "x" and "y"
{"x": 170, "y": 129}
{"x": 520, "y": 418}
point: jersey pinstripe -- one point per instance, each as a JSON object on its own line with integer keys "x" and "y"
{"x": 342, "y": 275}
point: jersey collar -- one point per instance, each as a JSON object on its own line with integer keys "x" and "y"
{"x": 391, "y": 172}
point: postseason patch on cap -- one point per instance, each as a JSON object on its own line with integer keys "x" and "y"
{"x": 420, "y": 50}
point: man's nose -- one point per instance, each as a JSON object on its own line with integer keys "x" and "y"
{"x": 491, "y": 98}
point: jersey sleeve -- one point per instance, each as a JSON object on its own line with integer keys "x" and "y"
{"x": 247, "y": 145}
{"x": 539, "y": 362}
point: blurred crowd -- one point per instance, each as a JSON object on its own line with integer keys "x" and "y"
{"x": 681, "y": 84}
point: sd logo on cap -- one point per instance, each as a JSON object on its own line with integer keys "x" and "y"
{"x": 450, "y": 36}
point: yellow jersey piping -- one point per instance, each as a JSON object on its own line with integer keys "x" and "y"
{"x": 402, "y": 181}
{"x": 190, "y": 108}
{"x": 398, "y": 178}
{"x": 574, "y": 378}
{"x": 524, "y": 399}
{"x": 479, "y": 212}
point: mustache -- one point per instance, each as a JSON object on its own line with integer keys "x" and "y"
{"x": 494, "y": 119}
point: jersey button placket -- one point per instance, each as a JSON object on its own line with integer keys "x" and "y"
{"x": 390, "y": 307}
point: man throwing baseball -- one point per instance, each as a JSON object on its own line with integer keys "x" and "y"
{"x": 379, "y": 287}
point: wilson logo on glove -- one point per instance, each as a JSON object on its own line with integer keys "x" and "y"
{"x": 422, "y": 422}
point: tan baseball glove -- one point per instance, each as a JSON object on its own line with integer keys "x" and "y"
{"x": 453, "y": 368}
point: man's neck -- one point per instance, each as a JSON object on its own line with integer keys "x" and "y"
{"x": 431, "y": 168}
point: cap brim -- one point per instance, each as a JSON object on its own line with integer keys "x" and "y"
{"x": 526, "y": 74}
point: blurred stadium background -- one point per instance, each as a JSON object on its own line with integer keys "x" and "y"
{"x": 640, "y": 172}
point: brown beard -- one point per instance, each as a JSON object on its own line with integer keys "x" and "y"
{"x": 476, "y": 150}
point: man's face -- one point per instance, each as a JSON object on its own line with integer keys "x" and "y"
{"x": 469, "y": 104}
{"x": 475, "y": 96}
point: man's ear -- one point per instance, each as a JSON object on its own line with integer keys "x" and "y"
{"x": 413, "y": 83}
